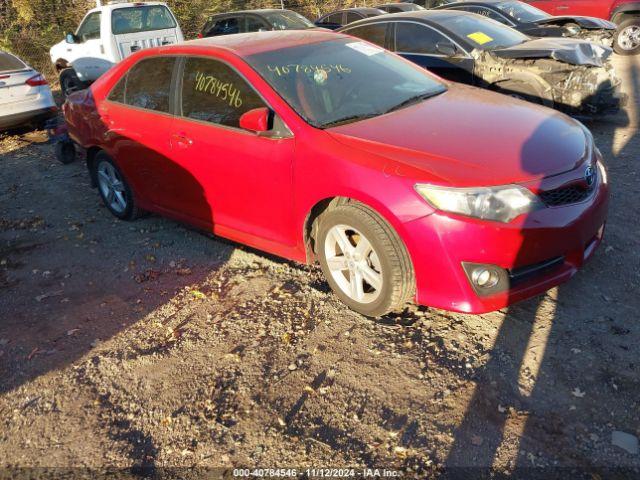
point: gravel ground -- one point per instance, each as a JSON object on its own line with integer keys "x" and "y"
{"x": 149, "y": 345}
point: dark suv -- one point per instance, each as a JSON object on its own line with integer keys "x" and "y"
{"x": 254, "y": 21}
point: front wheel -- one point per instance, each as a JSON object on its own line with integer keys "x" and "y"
{"x": 364, "y": 260}
{"x": 627, "y": 38}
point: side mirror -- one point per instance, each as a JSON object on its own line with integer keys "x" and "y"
{"x": 256, "y": 120}
{"x": 70, "y": 38}
{"x": 447, "y": 49}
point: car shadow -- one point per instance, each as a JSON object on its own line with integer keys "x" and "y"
{"x": 71, "y": 275}
{"x": 541, "y": 405}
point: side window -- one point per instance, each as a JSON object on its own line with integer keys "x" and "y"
{"x": 213, "y": 92}
{"x": 254, "y": 24}
{"x": 148, "y": 84}
{"x": 353, "y": 17}
{"x": 117, "y": 92}
{"x": 414, "y": 38}
{"x": 334, "y": 18}
{"x": 374, "y": 33}
{"x": 90, "y": 28}
{"x": 394, "y": 9}
{"x": 225, "y": 26}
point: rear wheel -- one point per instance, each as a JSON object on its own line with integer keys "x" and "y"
{"x": 364, "y": 260}
{"x": 114, "y": 189}
{"x": 69, "y": 81}
{"x": 627, "y": 38}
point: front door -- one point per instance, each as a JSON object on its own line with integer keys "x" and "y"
{"x": 419, "y": 43}
{"x": 239, "y": 181}
{"x": 87, "y": 54}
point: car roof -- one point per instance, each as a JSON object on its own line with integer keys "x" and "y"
{"x": 354, "y": 9}
{"x": 424, "y": 15}
{"x": 244, "y": 44}
{"x": 115, "y": 6}
{"x": 256, "y": 11}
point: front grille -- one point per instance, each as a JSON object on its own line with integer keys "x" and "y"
{"x": 569, "y": 195}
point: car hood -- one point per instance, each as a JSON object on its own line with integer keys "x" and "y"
{"x": 589, "y": 23}
{"x": 470, "y": 137}
{"x": 567, "y": 50}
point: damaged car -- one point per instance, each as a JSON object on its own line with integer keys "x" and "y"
{"x": 535, "y": 23}
{"x": 573, "y": 76}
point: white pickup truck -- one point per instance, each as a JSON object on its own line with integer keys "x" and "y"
{"x": 108, "y": 34}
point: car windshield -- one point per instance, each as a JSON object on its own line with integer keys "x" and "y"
{"x": 483, "y": 33}
{"x": 9, "y": 63}
{"x": 343, "y": 81}
{"x": 522, "y": 12}
{"x": 141, "y": 19}
{"x": 287, "y": 20}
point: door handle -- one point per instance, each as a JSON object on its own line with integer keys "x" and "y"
{"x": 181, "y": 140}
{"x": 562, "y": 7}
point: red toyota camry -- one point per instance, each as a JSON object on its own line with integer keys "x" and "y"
{"x": 318, "y": 146}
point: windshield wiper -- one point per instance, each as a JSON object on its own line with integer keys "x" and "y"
{"x": 349, "y": 119}
{"x": 415, "y": 99}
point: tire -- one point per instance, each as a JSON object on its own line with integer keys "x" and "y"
{"x": 385, "y": 264}
{"x": 627, "y": 38}
{"x": 65, "y": 152}
{"x": 520, "y": 90}
{"x": 69, "y": 82}
{"x": 114, "y": 190}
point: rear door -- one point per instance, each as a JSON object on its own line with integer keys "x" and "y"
{"x": 419, "y": 43}
{"x": 137, "y": 116}
{"x": 143, "y": 26}
{"x": 588, "y": 8}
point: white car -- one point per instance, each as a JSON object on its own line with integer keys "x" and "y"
{"x": 108, "y": 34}
{"x": 25, "y": 96}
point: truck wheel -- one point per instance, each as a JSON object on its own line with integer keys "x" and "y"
{"x": 364, "y": 260}
{"x": 69, "y": 81}
{"x": 627, "y": 38}
{"x": 65, "y": 151}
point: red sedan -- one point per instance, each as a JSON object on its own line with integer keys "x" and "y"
{"x": 318, "y": 146}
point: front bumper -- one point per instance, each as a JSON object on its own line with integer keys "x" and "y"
{"x": 539, "y": 252}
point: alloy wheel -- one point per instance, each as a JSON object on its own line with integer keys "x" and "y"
{"x": 112, "y": 187}
{"x": 629, "y": 38}
{"x": 353, "y": 264}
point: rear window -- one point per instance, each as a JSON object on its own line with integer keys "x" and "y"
{"x": 8, "y": 62}
{"x": 141, "y": 19}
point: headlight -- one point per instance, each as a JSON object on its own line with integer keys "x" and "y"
{"x": 501, "y": 204}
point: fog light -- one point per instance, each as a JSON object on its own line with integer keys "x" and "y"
{"x": 485, "y": 278}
